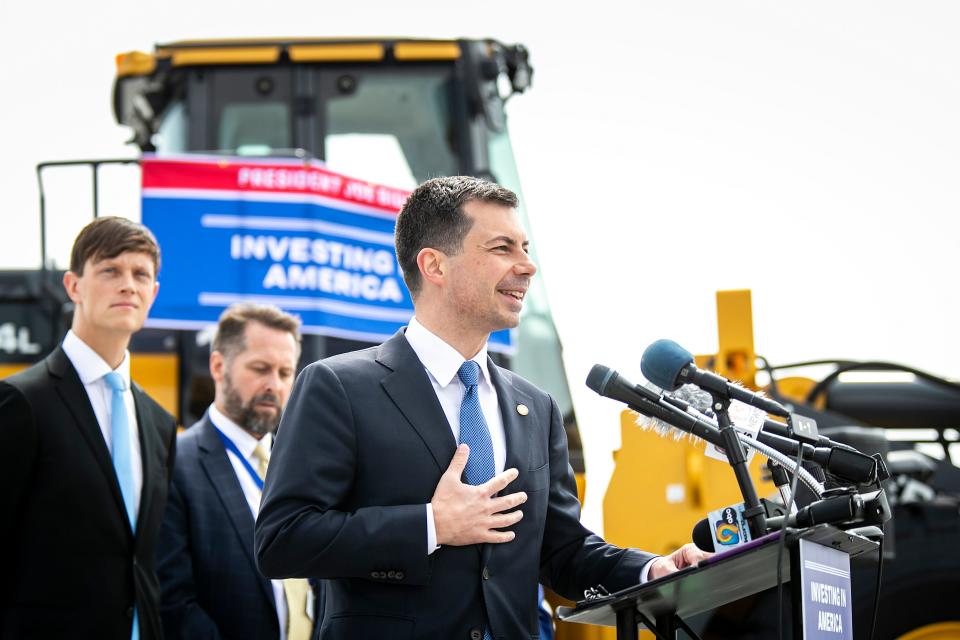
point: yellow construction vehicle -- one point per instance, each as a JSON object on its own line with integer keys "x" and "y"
{"x": 660, "y": 487}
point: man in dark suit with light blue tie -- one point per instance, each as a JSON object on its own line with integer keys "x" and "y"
{"x": 89, "y": 459}
{"x": 419, "y": 536}
{"x": 210, "y": 583}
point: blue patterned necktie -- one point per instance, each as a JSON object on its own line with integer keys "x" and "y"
{"x": 123, "y": 460}
{"x": 473, "y": 428}
{"x": 474, "y": 433}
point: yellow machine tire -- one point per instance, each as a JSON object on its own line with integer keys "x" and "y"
{"x": 935, "y": 631}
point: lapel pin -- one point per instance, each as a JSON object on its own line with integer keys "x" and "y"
{"x": 522, "y": 409}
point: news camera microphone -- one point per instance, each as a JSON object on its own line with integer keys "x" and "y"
{"x": 680, "y": 415}
{"x": 726, "y": 528}
{"x": 610, "y": 384}
{"x": 861, "y": 509}
{"x": 841, "y": 461}
{"x": 668, "y": 365}
{"x": 702, "y": 536}
{"x": 701, "y": 400}
{"x": 723, "y": 529}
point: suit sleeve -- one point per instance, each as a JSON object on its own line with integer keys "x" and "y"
{"x": 572, "y": 558}
{"x": 181, "y": 613}
{"x": 19, "y": 438}
{"x": 307, "y": 526}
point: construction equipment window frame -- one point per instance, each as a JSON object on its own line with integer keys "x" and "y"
{"x": 330, "y": 80}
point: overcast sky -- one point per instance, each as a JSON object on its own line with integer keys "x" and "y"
{"x": 807, "y": 152}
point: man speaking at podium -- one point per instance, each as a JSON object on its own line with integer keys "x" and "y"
{"x": 430, "y": 486}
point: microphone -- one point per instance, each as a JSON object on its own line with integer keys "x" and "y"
{"x": 850, "y": 509}
{"x": 693, "y": 396}
{"x": 726, "y": 528}
{"x": 702, "y": 536}
{"x": 847, "y": 464}
{"x": 867, "y": 508}
{"x": 668, "y": 365}
{"x": 610, "y": 384}
{"x": 838, "y": 460}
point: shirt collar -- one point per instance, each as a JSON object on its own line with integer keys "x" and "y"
{"x": 88, "y": 363}
{"x": 245, "y": 442}
{"x": 438, "y": 357}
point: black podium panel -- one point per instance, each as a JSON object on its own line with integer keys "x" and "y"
{"x": 719, "y": 580}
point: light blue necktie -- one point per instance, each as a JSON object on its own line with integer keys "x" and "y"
{"x": 123, "y": 460}
{"x": 474, "y": 433}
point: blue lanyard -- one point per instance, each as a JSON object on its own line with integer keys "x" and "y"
{"x": 228, "y": 443}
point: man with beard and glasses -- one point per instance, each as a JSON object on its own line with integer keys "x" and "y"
{"x": 210, "y": 584}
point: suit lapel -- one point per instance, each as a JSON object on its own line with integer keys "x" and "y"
{"x": 149, "y": 442}
{"x": 409, "y": 387}
{"x": 74, "y": 395}
{"x": 515, "y": 428}
{"x": 216, "y": 465}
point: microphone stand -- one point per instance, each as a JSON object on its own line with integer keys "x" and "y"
{"x": 753, "y": 511}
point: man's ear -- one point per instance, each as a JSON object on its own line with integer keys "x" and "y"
{"x": 70, "y": 283}
{"x": 433, "y": 265}
{"x": 217, "y": 366}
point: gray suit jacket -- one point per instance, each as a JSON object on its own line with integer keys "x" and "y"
{"x": 360, "y": 450}
{"x": 211, "y": 586}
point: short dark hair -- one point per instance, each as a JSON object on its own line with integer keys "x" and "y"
{"x": 433, "y": 217}
{"x": 108, "y": 237}
{"x": 233, "y": 322}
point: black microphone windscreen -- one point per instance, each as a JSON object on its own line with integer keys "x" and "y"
{"x": 599, "y": 377}
{"x": 702, "y": 536}
{"x": 852, "y": 465}
{"x": 662, "y": 362}
{"x": 829, "y": 510}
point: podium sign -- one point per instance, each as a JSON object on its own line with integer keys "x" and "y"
{"x": 826, "y": 596}
{"x": 821, "y": 586}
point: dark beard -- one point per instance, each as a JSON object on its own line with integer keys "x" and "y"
{"x": 245, "y": 415}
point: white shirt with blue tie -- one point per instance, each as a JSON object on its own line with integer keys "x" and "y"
{"x": 91, "y": 369}
{"x": 442, "y": 362}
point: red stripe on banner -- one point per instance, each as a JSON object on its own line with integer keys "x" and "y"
{"x": 307, "y": 178}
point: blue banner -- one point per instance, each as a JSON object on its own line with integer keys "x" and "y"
{"x": 312, "y": 242}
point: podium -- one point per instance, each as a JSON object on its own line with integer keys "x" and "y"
{"x": 661, "y": 605}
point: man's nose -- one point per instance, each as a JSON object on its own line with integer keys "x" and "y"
{"x": 127, "y": 281}
{"x": 272, "y": 381}
{"x": 526, "y": 267}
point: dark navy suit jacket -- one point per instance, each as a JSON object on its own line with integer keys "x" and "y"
{"x": 71, "y": 566}
{"x": 360, "y": 450}
{"x": 210, "y": 584}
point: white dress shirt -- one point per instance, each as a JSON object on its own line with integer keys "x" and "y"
{"x": 442, "y": 362}
{"x": 91, "y": 369}
{"x": 246, "y": 443}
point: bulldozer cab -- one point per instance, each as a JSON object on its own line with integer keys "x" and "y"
{"x": 394, "y": 111}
